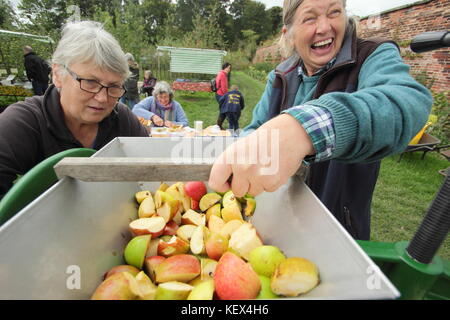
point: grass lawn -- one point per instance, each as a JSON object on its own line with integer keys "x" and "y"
{"x": 404, "y": 190}
{"x": 203, "y": 105}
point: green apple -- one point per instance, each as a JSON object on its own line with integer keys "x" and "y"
{"x": 136, "y": 249}
{"x": 266, "y": 291}
{"x": 265, "y": 259}
{"x": 203, "y": 291}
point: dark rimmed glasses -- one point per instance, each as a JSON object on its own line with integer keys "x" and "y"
{"x": 93, "y": 86}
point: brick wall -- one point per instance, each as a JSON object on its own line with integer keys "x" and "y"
{"x": 405, "y": 22}
{"x": 402, "y": 24}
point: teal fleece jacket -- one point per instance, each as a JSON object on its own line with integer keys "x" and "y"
{"x": 378, "y": 119}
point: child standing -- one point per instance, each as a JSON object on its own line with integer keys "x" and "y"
{"x": 231, "y": 106}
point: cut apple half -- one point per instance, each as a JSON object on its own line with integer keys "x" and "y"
{"x": 193, "y": 217}
{"x": 185, "y": 232}
{"x": 198, "y": 240}
{"x": 153, "y": 226}
{"x": 147, "y": 208}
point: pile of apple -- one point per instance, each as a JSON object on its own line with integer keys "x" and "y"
{"x": 191, "y": 244}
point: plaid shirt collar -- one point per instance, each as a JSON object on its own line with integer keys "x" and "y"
{"x": 302, "y": 73}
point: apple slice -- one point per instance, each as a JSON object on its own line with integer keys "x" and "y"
{"x": 163, "y": 186}
{"x": 177, "y": 217}
{"x": 154, "y": 226}
{"x": 168, "y": 210}
{"x": 182, "y": 267}
{"x": 294, "y": 276}
{"x": 161, "y": 197}
{"x": 230, "y": 199}
{"x": 177, "y": 191}
{"x": 122, "y": 268}
{"x": 230, "y": 227}
{"x": 215, "y": 245}
{"x": 172, "y": 247}
{"x": 173, "y": 290}
{"x": 152, "y": 249}
{"x": 143, "y": 287}
{"x": 250, "y": 206}
{"x": 208, "y": 200}
{"x": 141, "y": 195}
{"x": 215, "y": 224}
{"x": 231, "y": 212}
{"x": 214, "y": 211}
{"x": 198, "y": 240}
{"x": 193, "y": 217}
{"x": 171, "y": 228}
{"x": 244, "y": 240}
{"x": 150, "y": 265}
{"x": 202, "y": 291}
{"x": 185, "y": 232}
{"x": 147, "y": 208}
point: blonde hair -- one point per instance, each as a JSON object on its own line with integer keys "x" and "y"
{"x": 289, "y": 9}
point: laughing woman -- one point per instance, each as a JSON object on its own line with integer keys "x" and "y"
{"x": 339, "y": 104}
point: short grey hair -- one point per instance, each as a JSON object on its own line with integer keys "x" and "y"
{"x": 163, "y": 87}
{"x": 289, "y": 9}
{"x": 88, "y": 41}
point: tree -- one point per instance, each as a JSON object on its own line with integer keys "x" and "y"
{"x": 250, "y": 15}
{"x": 155, "y": 14}
{"x": 8, "y": 19}
{"x": 275, "y": 15}
{"x": 44, "y": 17}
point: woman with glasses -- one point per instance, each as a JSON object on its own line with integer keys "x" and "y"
{"x": 161, "y": 108}
{"x": 80, "y": 109}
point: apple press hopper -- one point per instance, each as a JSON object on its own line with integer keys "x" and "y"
{"x": 61, "y": 244}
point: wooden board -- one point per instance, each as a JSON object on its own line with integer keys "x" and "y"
{"x": 134, "y": 169}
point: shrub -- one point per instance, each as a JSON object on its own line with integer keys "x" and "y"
{"x": 441, "y": 109}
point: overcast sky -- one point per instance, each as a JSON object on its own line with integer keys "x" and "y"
{"x": 357, "y": 7}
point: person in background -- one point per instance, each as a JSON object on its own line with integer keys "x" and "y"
{"x": 149, "y": 83}
{"x": 222, "y": 88}
{"x": 338, "y": 104}
{"x": 37, "y": 70}
{"x": 161, "y": 108}
{"x": 231, "y": 105}
{"x": 79, "y": 110}
{"x": 131, "y": 96}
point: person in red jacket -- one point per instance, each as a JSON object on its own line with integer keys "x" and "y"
{"x": 222, "y": 88}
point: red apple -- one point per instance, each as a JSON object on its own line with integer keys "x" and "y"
{"x": 195, "y": 189}
{"x": 234, "y": 279}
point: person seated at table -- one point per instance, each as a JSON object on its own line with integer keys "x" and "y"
{"x": 80, "y": 109}
{"x": 161, "y": 109}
